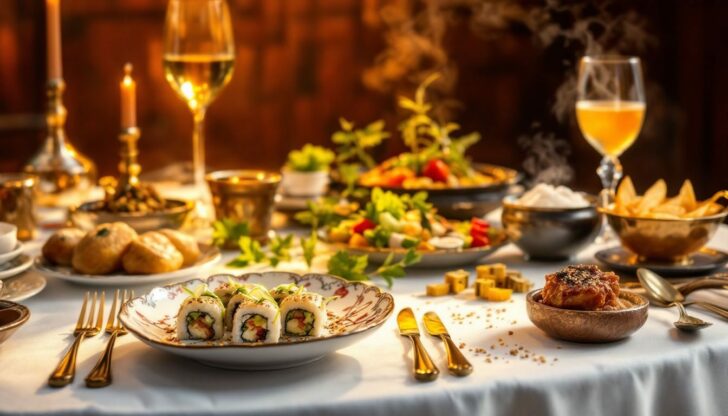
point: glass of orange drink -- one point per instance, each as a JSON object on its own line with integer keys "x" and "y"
{"x": 610, "y": 109}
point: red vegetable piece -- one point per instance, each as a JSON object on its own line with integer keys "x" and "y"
{"x": 363, "y": 225}
{"x": 437, "y": 170}
{"x": 480, "y": 241}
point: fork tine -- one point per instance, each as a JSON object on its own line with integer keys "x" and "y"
{"x": 82, "y": 315}
{"x": 92, "y": 311}
{"x": 112, "y": 312}
{"x": 100, "y": 314}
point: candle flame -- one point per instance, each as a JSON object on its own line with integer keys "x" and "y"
{"x": 127, "y": 73}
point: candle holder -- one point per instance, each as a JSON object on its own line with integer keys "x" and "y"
{"x": 65, "y": 176}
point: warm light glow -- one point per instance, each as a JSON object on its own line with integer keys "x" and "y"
{"x": 128, "y": 99}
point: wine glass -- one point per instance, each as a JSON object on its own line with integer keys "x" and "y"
{"x": 610, "y": 109}
{"x": 198, "y": 63}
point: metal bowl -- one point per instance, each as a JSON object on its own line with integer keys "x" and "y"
{"x": 12, "y": 316}
{"x": 670, "y": 240}
{"x": 588, "y": 326}
{"x": 90, "y": 214}
{"x": 550, "y": 233}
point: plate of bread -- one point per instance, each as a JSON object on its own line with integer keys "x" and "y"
{"x": 114, "y": 254}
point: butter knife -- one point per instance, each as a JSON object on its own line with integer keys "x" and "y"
{"x": 457, "y": 364}
{"x": 425, "y": 369}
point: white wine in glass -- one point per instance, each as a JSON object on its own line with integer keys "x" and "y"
{"x": 610, "y": 110}
{"x": 198, "y": 63}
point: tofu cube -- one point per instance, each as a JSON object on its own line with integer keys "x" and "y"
{"x": 482, "y": 286}
{"x": 438, "y": 289}
{"x": 498, "y": 294}
{"x": 458, "y": 280}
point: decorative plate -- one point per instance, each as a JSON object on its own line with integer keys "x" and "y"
{"x": 15, "y": 266}
{"x": 19, "y": 288}
{"x": 5, "y": 257}
{"x": 436, "y": 258}
{"x": 209, "y": 255}
{"x": 702, "y": 262}
{"x": 359, "y": 308}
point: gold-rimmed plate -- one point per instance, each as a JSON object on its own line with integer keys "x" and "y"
{"x": 358, "y": 308}
{"x": 436, "y": 258}
{"x": 701, "y": 262}
{"x": 209, "y": 256}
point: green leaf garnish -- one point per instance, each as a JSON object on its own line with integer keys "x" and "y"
{"x": 310, "y": 159}
{"x": 228, "y": 231}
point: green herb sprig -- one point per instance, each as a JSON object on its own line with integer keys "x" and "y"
{"x": 310, "y": 158}
{"x": 353, "y": 267}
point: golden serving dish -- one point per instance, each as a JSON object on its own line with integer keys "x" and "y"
{"x": 175, "y": 215}
{"x": 669, "y": 240}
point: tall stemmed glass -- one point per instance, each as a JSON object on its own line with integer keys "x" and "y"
{"x": 199, "y": 56}
{"x": 610, "y": 109}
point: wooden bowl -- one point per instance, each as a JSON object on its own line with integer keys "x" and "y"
{"x": 12, "y": 317}
{"x": 587, "y": 326}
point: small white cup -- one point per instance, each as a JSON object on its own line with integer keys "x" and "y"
{"x": 8, "y": 237}
{"x": 296, "y": 183}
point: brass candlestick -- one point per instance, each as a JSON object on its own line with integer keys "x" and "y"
{"x": 65, "y": 175}
{"x": 129, "y": 169}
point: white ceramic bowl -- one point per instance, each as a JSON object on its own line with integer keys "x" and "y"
{"x": 304, "y": 183}
{"x": 8, "y": 237}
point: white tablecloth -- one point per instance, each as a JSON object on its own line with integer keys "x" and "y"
{"x": 657, "y": 371}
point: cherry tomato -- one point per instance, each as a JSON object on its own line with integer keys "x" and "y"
{"x": 437, "y": 170}
{"x": 363, "y": 225}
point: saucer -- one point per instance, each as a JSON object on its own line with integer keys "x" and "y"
{"x": 20, "y": 288}
{"x": 6, "y": 257}
{"x": 15, "y": 266}
{"x": 702, "y": 262}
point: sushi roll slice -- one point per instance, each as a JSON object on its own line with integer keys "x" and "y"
{"x": 303, "y": 314}
{"x": 200, "y": 316}
{"x": 248, "y": 291}
{"x": 280, "y": 292}
{"x": 256, "y": 321}
{"x": 226, "y": 290}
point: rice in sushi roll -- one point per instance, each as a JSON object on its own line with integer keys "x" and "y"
{"x": 200, "y": 316}
{"x": 256, "y": 321}
{"x": 280, "y": 292}
{"x": 226, "y": 290}
{"x": 304, "y": 314}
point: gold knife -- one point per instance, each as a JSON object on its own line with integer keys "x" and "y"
{"x": 425, "y": 369}
{"x": 457, "y": 364}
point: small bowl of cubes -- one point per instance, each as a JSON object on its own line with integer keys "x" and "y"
{"x": 493, "y": 282}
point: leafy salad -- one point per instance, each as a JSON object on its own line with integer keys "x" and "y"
{"x": 402, "y": 222}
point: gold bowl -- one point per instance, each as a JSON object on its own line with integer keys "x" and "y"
{"x": 12, "y": 316}
{"x": 245, "y": 196}
{"x": 175, "y": 215}
{"x": 668, "y": 240}
{"x": 588, "y": 326}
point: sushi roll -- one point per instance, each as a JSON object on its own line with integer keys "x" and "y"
{"x": 243, "y": 292}
{"x": 256, "y": 321}
{"x": 226, "y": 290}
{"x": 304, "y": 314}
{"x": 280, "y": 292}
{"x": 200, "y": 316}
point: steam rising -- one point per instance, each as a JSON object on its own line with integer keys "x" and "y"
{"x": 414, "y": 37}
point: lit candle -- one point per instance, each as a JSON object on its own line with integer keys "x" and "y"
{"x": 53, "y": 38}
{"x": 128, "y": 99}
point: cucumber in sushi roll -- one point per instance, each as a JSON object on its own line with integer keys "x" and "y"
{"x": 304, "y": 314}
{"x": 200, "y": 316}
{"x": 256, "y": 321}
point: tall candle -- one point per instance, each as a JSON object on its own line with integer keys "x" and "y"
{"x": 53, "y": 38}
{"x": 128, "y": 99}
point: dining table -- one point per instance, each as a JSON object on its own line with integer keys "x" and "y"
{"x": 518, "y": 369}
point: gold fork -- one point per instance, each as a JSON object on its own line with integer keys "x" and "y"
{"x": 100, "y": 375}
{"x": 66, "y": 370}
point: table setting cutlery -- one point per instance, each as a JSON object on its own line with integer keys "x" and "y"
{"x": 424, "y": 368}
{"x": 457, "y": 364}
{"x": 100, "y": 375}
{"x": 664, "y": 294}
{"x": 85, "y": 327}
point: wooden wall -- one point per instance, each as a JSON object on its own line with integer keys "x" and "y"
{"x": 299, "y": 68}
